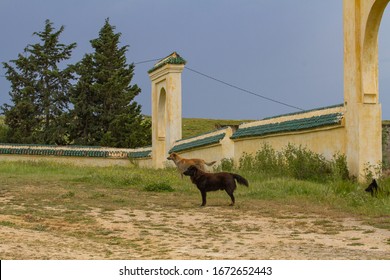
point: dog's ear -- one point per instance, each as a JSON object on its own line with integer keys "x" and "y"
{"x": 193, "y": 169}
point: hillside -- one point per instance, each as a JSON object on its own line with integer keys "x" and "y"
{"x": 191, "y": 126}
{"x": 194, "y": 127}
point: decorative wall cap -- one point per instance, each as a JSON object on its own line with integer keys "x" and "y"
{"x": 173, "y": 58}
{"x": 215, "y": 139}
{"x": 140, "y": 154}
{"x": 289, "y": 125}
{"x": 306, "y": 111}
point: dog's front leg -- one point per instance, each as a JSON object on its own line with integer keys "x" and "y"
{"x": 203, "y": 197}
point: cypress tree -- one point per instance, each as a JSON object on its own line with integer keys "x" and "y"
{"x": 103, "y": 98}
{"x": 39, "y": 90}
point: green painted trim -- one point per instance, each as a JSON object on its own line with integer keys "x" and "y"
{"x": 289, "y": 126}
{"x": 173, "y": 58}
{"x": 53, "y": 152}
{"x": 205, "y": 133}
{"x": 69, "y": 151}
{"x": 198, "y": 143}
{"x": 140, "y": 154}
{"x": 306, "y": 111}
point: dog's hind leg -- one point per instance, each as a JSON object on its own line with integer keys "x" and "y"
{"x": 232, "y": 198}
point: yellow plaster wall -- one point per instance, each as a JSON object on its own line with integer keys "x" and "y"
{"x": 325, "y": 140}
{"x": 79, "y": 161}
{"x": 215, "y": 152}
{"x": 322, "y": 141}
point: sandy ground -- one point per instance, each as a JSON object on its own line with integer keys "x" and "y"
{"x": 212, "y": 232}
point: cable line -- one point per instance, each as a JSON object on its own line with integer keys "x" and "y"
{"x": 244, "y": 90}
{"x": 225, "y": 83}
{"x": 146, "y": 61}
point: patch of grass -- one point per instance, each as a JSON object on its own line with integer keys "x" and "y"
{"x": 7, "y": 224}
{"x": 159, "y": 187}
{"x": 69, "y": 194}
{"x": 355, "y": 244}
{"x": 39, "y": 227}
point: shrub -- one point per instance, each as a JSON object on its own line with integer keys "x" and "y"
{"x": 296, "y": 162}
{"x": 246, "y": 162}
{"x": 158, "y": 187}
{"x": 227, "y": 165}
{"x": 3, "y": 132}
{"x": 304, "y": 164}
{"x": 340, "y": 167}
{"x": 268, "y": 160}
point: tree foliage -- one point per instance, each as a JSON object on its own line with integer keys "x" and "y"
{"x": 98, "y": 109}
{"x": 39, "y": 90}
{"x": 105, "y": 112}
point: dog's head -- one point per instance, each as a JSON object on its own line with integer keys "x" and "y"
{"x": 372, "y": 188}
{"x": 172, "y": 156}
{"x": 191, "y": 171}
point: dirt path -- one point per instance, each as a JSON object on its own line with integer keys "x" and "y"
{"x": 213, "y": 232}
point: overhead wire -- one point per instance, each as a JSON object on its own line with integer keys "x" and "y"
{"x": 224, "y": 83}
{"x": 243, "y": 90}
{"x": 146, "y": 61}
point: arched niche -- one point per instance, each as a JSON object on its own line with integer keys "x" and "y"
{"x": 161, "y": 121}
{"x": 370, "y": 52}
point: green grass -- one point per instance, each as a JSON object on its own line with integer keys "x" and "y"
{"x": 195, "y": 126}
{"x": 72, "y": 202}
{"x": 44, "y": 184}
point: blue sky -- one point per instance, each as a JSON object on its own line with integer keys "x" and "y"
{"x": 290, "y": 51}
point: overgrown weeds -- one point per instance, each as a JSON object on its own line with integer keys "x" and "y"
{"x": 299, "y": 176}
{"x": 295, "y": 162}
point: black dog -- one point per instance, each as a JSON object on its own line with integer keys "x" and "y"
{"x": 372, "y": 188}
{"x": 207, "y": 182}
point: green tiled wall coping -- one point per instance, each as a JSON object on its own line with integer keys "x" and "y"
{"x": 198, "y": 143}
{"x": 140, "y": 154}
{"x": 306, "y": 111}
{"x": 71, "y": 151}
{"x": 53, "y": 152}
{"x": 171, "y": 60}
{"x": 289, "y": 126}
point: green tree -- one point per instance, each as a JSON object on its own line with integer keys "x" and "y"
{"x": 39, "y": 90}
{"x": 105, "y": 112}
{"x": 84, "y": 122}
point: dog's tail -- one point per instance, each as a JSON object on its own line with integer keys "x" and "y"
{"x": 241, "y": 180}
{"x": 210, "y": 163}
